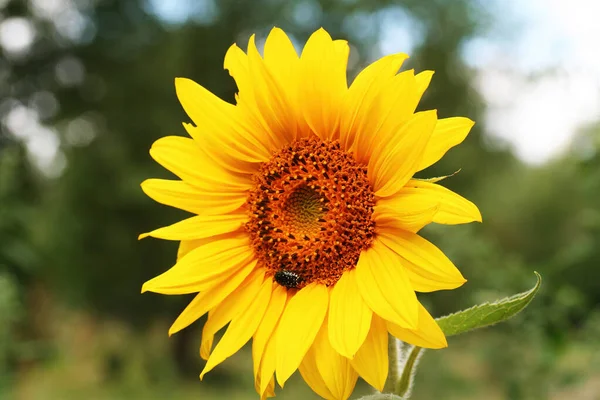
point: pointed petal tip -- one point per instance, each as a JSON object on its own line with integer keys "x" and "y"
{"x": 426, "y": 74}
{"x": 181, "y": 81}
{"x": 455, "y": 284}
{"x": 277, "y": 30}
{"x": 148, "y": 286}
{"x": 441, "y": 343}
{"x": 321, "y": 32}
{"x": 347, "y": 354}
{"x": 444, "y": 344}
{"x": 173, "y": 329}
{"x": 437, "y": 345}
{"x": 278, "y": 376}
{"x": 143, "y": 235}
{"x": 206, "y": 370}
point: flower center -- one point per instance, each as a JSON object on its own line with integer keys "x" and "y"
{"x": 310, "y": 213}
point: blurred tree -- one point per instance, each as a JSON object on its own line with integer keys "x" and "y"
{"x": 19, "y": 258}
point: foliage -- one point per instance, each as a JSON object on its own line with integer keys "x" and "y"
{"x": 487, "y": 314}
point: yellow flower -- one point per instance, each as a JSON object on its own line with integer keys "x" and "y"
{"x": 305, "y": 234}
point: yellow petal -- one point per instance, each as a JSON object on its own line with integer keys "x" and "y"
{"x": 267, "y": 365}
{"x": 230, "y": 308}
{"x": 371, "y": 361}
{"x": 213, "y": 150}
{"x": 298, "y": 327}
{"x": 349, "y": 316}
{"x": 418, "y": 194}
{"x": 200, "y": 227}
{"x": 323, "y": 75}
{"x": 423, "y": 79}
{"x": 401, "y": 92}
{"x": 186, "y": 159}
{"x": 335, "y": 369}
{"x": 283, "y": 62}
{"x": 267, "y": 325}
{"x": 270, "y": 98}
{"x": 236, "y": 62}
{"x": 311, "y": 375}
{"x": 220, "y": 122}
{"x": 424, "y": 258}
{"x": 411, "y": 220}
{"x": 363, "y": 95}
{"x": 241, "y": 328}
{"x": 180, "y": 195}
{"x": 424, "y": 284}
{"x": 448, "y": 133}
{"x": 204, "y": 267}
{"x": 385, "y": 287}
{"x": 269, "y": 391}
{"x": 280, "y": 56}
{"x": 188, "y": 245}
{"x": 396, "y": 160}
{"x": 428, "y": 334}
{"x": 206, "y": 301}
{"x": 252, "y": 91}
{"x": 395, "y": 105}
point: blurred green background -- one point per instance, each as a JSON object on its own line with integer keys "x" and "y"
{"x": 86, "y": 86}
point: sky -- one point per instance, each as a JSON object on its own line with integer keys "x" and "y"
{"x": 541, "y": 83}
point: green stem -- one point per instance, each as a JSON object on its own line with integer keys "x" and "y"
{"x": 393, "y": 372}
{"x": 404, "y": 384}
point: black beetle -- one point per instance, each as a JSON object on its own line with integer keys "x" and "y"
{"x": 287, "y": 278}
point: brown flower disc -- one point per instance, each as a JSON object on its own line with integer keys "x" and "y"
{"x": 310, "y": 213}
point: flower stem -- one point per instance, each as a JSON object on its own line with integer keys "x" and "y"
{"x": 394, "y": 361}
{"x": 403, "y": 360}
{"x": 404, "y": 384}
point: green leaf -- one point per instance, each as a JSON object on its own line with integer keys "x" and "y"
{"x": 381, "y": 396}
{"x": 487, "y": 314}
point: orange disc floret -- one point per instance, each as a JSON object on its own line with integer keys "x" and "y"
{"x": 311, "y": 213}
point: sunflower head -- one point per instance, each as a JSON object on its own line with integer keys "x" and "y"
{"x": 304, "y": 236}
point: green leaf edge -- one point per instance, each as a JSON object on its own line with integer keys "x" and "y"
{"x": 520, "y": 301}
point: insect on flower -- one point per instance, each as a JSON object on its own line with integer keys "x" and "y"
{"x": 287, "y": 279}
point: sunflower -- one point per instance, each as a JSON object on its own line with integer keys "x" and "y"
{"x": 304, "y": 237}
